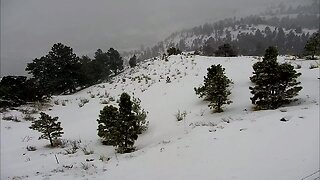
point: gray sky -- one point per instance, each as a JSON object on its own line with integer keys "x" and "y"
{"x": 29, "y": 28}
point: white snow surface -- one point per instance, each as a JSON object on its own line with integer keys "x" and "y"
{"x": 238, "y": 143}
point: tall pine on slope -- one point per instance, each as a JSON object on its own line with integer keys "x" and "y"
{"x": 108, "y": 125}
{"x": 48, "y": 126}
{"x": 274, "y": 84}
{"x": 215, "y": 88}
{"x": 120, "y": 127}
{"x": 312, "y": 47}
{"x": 115, "y": 61}
{"x": 58, "y": 71}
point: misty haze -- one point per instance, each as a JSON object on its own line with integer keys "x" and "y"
{"x": 30, "y": 28}
{"x": 160, "y": 89}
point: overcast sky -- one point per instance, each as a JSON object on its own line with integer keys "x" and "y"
{"x": 29, "y": 28}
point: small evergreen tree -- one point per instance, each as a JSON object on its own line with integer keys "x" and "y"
{"x": 108, "y": 125}
{"x": 207, "y": 49}
{"x": 140, "y": 115}
{"x": 173, "y": 51}
{"x": 274, "y": 84}
{"x": 225, "y": 50}
{"x": 133, "y": 61}
{"x": 120, "y": 127}
{"x": 312, "y": 47}
{"x": 215, "y": 88}
{"x": 48, "y": 126}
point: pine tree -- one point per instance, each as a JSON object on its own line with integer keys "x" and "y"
{"x": 312, "y": 47}
{"x": 140, "y": 115}
{"x": 215, "y": 88}
{"x": 116, "y": 62}
{"x": 173, "y": 51}
{"x": 48, "y": 126}
{"x": 225, "y": 50}
{"x": 108, "y": 124}
{"x": 101, "y": 65}
{"x": 121, "y": 127}
{"x": 133, "y": 61}
{"x": 208, "y": 49}
{"x": 58, "y": 71}
{"x": 274, "y": 84}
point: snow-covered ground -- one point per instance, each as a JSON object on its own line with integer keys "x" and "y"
{"x": 237, "y": 144}
{"x": 250, "y": 29}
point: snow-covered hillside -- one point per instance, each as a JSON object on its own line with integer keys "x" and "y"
{"x": 237, "y": 144}
{"x": 190, "y": 39}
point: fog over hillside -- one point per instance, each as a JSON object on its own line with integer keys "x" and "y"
{"x": 30, "y": 28}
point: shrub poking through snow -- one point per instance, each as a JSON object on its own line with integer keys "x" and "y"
{"x": 181, "y": 115}
{"x": 48, "y": 126}
{"x": 274, "y": 84}
{"x": 313, "y": 66}
{"x": 31, "y": 148}
{"x": 215, "y": 88}
{"x": 120, "y": 126}
{"x": 168, "y": 80}
{"x": 28, "y": 117}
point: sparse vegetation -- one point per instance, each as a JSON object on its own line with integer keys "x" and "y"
{"x": 181, "y": 115}
{"x": 31, "y": 148}
{"x": 11, "y": 118}
{"x": 28, "y": 117}
{"x": 86, "y": 151}
{"x": 313, "y": 66}
{"x": 83, "y": 101}
{"x": 104, "y": 158}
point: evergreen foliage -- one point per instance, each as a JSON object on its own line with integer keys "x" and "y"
{"x": 121, "y": 126}
{"x": 140, "y": 115}
{"x": 173, "y": 51}
{"x": 133, "y": 61}
{"x": 312, "y": 47}
{"x": 101, "y": 65}
{"x": 88, "y": 72}
{"x": 18, "y": 90}
{"x": 115, "y": 61}
{"x": 215, "y": 88}
{"x": 108, "y": 124}
{"x": 274, "y": 84}
{"x": 226, "y": 50}
{"x": 58, "y": 71}
{"x": 48, "y": 126}
{"x": 208, "y": 49}
{"x": 61, "y": 71}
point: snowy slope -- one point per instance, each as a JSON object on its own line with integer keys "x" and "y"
{"x": 237, "y": 30}
{"x": 236, "y": 144}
